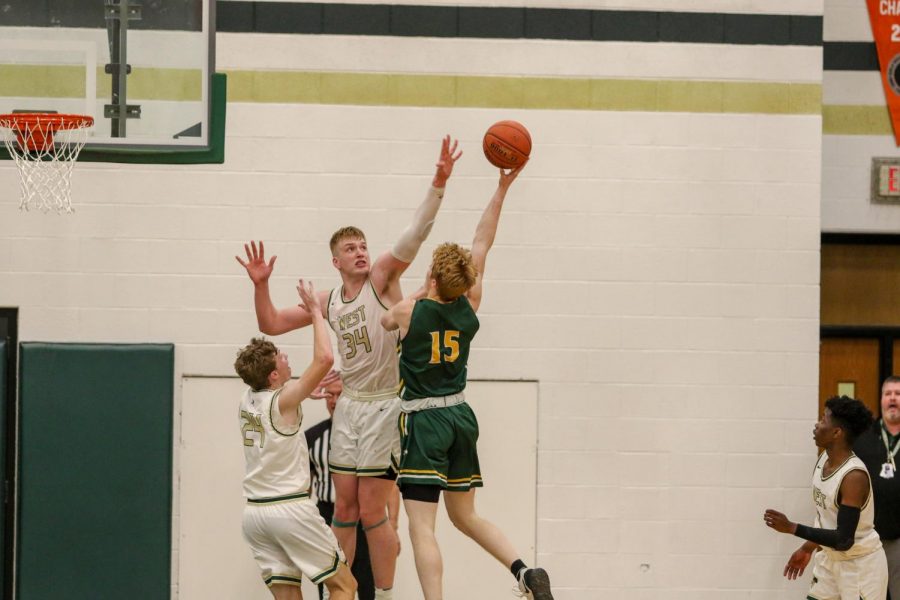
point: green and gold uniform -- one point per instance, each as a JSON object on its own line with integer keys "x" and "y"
{"x": 435, "y": 352}
{"x": 438, "y": 429}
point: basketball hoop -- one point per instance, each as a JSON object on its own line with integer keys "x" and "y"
{"x": 45, "y": 147}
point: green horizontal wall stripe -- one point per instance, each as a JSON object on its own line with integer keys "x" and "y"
{"x": 67, "y": 81}
{"x": 856, "y": 120}
{"x": 464, "y": 91}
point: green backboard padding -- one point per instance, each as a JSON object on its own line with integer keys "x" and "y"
{"x": 95, "y": 471}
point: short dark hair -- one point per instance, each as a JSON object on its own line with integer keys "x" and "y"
{"x": 255, "y": 361}
{"x": 849, "y": 414}
{"x": 890, "y": 379}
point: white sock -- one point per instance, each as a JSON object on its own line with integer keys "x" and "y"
{"x": 384, "y": 594}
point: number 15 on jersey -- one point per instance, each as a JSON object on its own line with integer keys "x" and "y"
{"x": 449, "y": 351}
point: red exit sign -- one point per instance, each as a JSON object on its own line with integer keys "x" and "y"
{"x": 886, "y": 179}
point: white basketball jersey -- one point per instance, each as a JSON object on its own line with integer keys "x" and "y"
{"x": 825, "y": 497}
{"x": 276, "y": 457}
{"x": 369, "y": 359}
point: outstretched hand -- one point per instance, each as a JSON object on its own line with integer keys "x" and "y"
{"x": 507, "y": 177}
{"x": 779, "y": 521}
{"x": 446, "y": 160}
{"x": 309, "y": 300}
{"x": 256, "y": 266}
{"x": 319, "y": 393}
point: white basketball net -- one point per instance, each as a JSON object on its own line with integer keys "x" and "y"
{"x": 45, "y": 168}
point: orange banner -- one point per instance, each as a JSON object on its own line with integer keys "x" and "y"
{"x": 885, "y": 18}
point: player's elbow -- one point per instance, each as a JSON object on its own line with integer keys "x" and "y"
{"x": 273, "y": 325}
{"x": 324, "y": 360}
{"x": 844, "y": 544}
{"x": 266, "y": 325}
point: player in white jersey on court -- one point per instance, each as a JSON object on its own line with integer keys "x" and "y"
{"x": 851, "y": 563}
{"x": 281, "y": 523}
{"x": 365, "y": 442}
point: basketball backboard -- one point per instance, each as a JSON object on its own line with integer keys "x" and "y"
{"x": 143, "y": 69}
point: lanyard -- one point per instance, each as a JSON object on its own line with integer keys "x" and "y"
{"x": 891, "y": 452}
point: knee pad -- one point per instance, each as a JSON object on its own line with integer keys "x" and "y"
{"x": 343, "y": 524}
{"x": 374, "y": 525}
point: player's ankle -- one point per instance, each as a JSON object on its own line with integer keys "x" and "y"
{"x": 517, "y": 567}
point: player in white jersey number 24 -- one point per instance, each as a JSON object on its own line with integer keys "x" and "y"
{"x": 281, "y": 523}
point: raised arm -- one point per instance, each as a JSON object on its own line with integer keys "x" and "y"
{"x": 388, "y": 268}
{"x": 296, "y": 390}
{"x": 486, "y": 231}
{"x": 271, "y": 321}
{"x": 399, "y": 315}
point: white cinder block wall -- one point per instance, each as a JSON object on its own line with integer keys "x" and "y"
{"x": 656, "y": 272}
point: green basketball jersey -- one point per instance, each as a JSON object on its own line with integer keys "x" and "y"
{"x": 435, "y": 350}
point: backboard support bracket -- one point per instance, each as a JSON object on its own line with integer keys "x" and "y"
{"x": 118, "y": 14}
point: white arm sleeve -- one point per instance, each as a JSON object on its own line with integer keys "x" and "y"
{"x": 417, "y": 232}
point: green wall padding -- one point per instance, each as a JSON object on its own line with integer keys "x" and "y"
{"x": 95, "y": 471}
{"x": 3, "y": 398}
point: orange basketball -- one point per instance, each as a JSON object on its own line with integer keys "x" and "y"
{"x": 507, "y": 144}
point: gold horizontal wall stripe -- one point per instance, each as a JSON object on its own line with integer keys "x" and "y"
{"x": 67, "y": 81}
{"x": 183, "y": 85}
{"x": 466, "y": 91}
{"x": 856, "y": 120}
{"x": 42, "y": 81}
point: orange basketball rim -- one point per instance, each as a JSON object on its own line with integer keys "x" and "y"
{"x": 45, "y": 147}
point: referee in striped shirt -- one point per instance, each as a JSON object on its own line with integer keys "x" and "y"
{"x": 318, "y": 438}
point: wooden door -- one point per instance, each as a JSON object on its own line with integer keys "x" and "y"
{"x": 849, "y": 366}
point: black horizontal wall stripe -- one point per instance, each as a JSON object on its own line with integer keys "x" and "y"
{"x": 698, "y": 28}
{"x": 357, "y": 19}
{"x": 631, "y": 26}
{"x": 518, "y": 23}
{"x": 850, "y": 56}
{"x": 806, "y": 30}
{"x": 431, "y": 21}
{"x": 491, "y": 22}
{"x": 287, "y": 18}
{"x": 746, "y": 29}
{"x": 557, "y": 24}
{"x": 171, "y": 15}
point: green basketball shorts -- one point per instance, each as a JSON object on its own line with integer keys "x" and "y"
{"x": 438, "y": 448}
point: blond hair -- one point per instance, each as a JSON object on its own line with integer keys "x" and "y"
{"x": 255, "y": 362}
{"x": 453, "y": 270}
{"x": 345, "y": 233}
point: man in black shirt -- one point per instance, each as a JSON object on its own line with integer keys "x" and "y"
{"x": 878, "y": 448}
